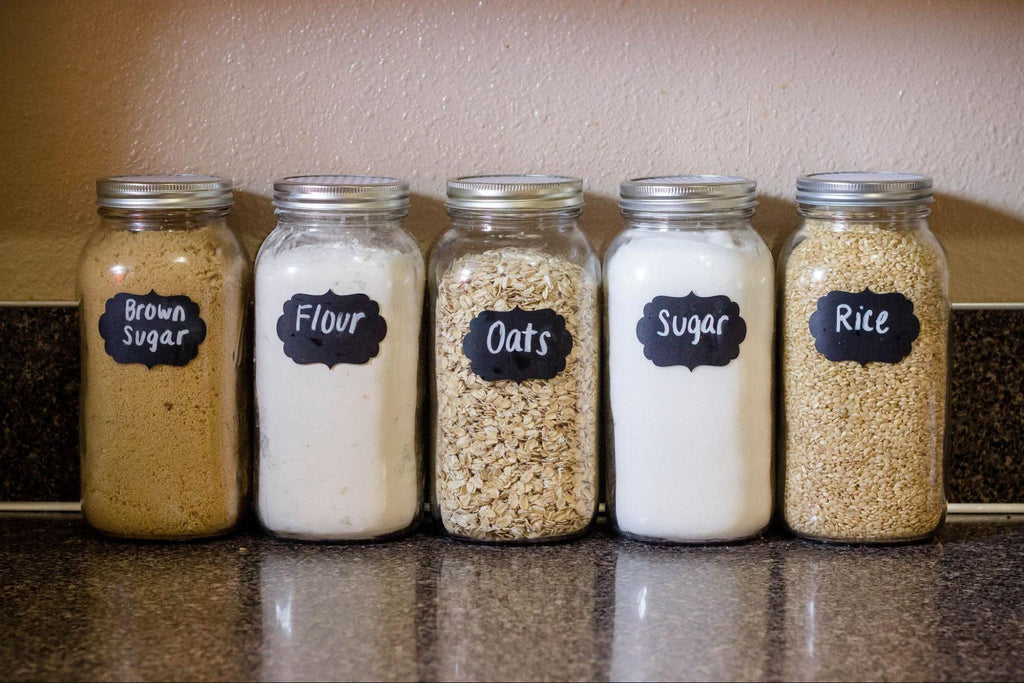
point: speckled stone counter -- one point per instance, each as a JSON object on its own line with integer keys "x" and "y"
{"x": 987, "y": 407}
{"x": 39, "y": 397}
{"x": 75, "y": 606}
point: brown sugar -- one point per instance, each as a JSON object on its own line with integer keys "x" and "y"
{"x": 165, "y": 449}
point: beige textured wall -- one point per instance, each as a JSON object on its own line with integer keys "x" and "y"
{"x": 426, "y": 90}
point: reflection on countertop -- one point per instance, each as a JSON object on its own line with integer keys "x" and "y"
{"x": 249, "y": 607}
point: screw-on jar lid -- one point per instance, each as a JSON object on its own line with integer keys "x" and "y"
{"x": 184, "y": 191}
{"x": 355, "y": 193}
{"x": 515, "y": 192}
{"x": 682, "y": 194}
{"x": 871, "y": 188}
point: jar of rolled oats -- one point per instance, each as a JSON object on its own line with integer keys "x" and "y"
{"x": 515, "y": 362}
{"x": 864, "y": 349}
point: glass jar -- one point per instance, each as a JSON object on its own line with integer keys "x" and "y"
{"x": 690, "y": 293}
{"x": 515, "y": 362}
{"x": 339, "y": 301}
{"x": 864, "y": 361}
{"x": 163, "y": 296}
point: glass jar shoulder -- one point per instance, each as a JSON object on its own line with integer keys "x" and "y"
{"x": 339, "y": 245}
{"x": 461, "y": 249}
{"x": 845, "y": 234}
{"x": 118, "y": 240}
{"x": 739, "y": 246}
{"x": 837, "y": 254}
{"x": 124, "y": 257}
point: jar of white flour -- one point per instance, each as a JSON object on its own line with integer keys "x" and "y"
{"x": 339, "y": 296}
{"x": 690, "y": 296}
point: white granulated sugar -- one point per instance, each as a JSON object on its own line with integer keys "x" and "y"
{"x": 692, "y": 448}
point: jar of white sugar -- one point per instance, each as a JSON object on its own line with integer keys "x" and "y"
{"x": 339, "y": 297}
{"x": 691, "y": 306}
{"x": 864, "y": 335}
{"x": 516, "y": 345}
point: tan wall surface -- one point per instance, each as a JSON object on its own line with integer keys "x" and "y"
{"x": 426, "y": 90}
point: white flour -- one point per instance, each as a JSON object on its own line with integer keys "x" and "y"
{"x": 692, "y": 449}
{"x": 338, "y": 448}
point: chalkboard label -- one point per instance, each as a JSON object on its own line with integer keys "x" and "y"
{"x": 151, "y": 329}
{"x": 864, "y": 326}
{"x": 517, "y": 344}
{"x": 331, "y": 329}
{"x": 691, "y": 330}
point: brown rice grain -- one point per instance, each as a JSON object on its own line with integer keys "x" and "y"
{"x": 863, "y": 445}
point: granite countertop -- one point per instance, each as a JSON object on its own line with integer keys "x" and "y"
{"x": 247, "y": 607}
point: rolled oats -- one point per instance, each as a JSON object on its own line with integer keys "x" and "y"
{"x": 516, "y": 460}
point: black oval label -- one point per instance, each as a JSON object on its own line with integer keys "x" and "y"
{"x": 691, "y": 330}
{"x": 331, "y": 329}
{"x": 151, "y": 329}
{"x": 517, "y": 344}
{"x": 864, "y": 326}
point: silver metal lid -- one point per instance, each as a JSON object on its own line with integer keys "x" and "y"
{"x": 870, "y": 188}
{"x": 515, "y": 192}
{"x": 354, "y": 193}
{"x": 184, "y": 191}
{"x": 683, "y": 194}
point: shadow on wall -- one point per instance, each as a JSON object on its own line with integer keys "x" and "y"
{"x": 600, "y": 220}
{"x": 775, "y": 220}
{"x": 984, "y": 246}
{"x": 427, "y": 220}
{"x": 252, "y": 218}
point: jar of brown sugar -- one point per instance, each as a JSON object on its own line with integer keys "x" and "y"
{"x": 163, "y": 294}
{"x": 864, "y": 361}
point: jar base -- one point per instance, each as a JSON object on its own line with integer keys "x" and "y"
{"x": 655, "y": 540}
{"x": 824, "y": 540}
{"x": 164, "y": 539}
{"x": 341, "y": 540}
{"x": 547, "y": 540}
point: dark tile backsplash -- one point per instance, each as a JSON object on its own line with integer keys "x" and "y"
{"x": 987, "y": 407}
{"x": 39, "y": 393}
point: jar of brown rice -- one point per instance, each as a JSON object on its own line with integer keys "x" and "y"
{"x": 864, "y": 361}
{"x": 516, "y": 342}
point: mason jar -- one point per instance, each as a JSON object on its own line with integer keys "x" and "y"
{"x": 163, "y": 300}
{"x": 339, "y": 300}
{"x": 864, "y": 361}
{"x": 516, "y": 343}
{"x": 690, "y": 291}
